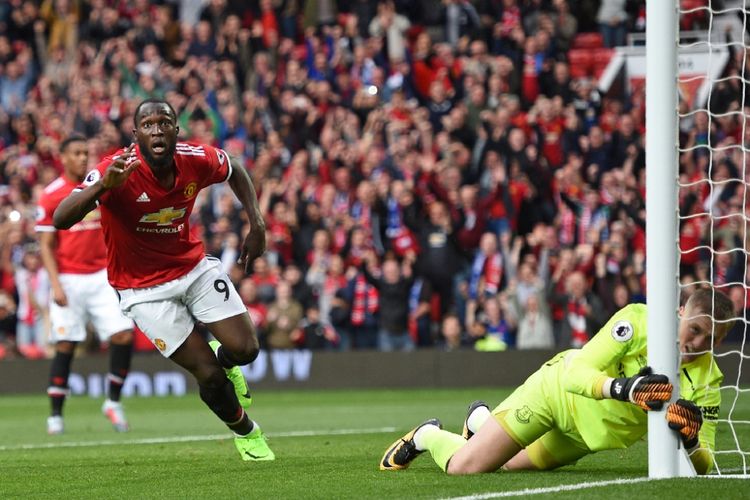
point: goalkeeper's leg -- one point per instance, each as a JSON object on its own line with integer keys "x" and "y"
{"x": 486, "y": 451}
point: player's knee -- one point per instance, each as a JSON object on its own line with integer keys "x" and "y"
{"x": 460, "y": 465}
{"x": 247, "y": 352}
{"x": 65, "y": 347}
{"x": 122, "y": 338}
{"x": 250, "y": 354}
{"x": 456, "y": 467}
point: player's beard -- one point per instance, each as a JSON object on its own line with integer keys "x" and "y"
{"x": 162, "y": 161}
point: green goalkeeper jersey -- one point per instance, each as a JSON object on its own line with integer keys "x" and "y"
{"x": 619, "y": 350}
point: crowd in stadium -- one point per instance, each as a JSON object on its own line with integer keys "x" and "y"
{"x": 432, "y": 173}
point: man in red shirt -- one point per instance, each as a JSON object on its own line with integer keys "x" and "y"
{"x": 146, "y": 193}
{"x": 76, "y": 262}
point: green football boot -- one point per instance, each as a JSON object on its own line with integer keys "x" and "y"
{"x": 235, "y": 375}
{"x": 253, "y": 447}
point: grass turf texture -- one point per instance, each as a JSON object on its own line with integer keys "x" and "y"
{"x": 92, "y": 461}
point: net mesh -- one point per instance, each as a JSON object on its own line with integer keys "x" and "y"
{"x": 713, "y": 197}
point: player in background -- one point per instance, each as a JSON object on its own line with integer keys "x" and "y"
{"x": 76, "y": 262}
{"x": 589, "y": 399}
{"x": 146, "y": 193}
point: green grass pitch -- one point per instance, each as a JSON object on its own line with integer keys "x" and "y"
{"x": 328, "y": 444}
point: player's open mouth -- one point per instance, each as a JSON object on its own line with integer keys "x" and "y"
{"x": 158, "y": 148}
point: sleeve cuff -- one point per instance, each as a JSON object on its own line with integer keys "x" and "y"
{"x": 601, "y": 385}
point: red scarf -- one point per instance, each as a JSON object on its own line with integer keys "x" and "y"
{"x": 567, "y": 227}
{"x": 577, "y": 322}
{"x": 584, "y": 224}
{"x": 493, "y": 273}
{"x": 365, "y": 300}
{"x": 30, "y": 316}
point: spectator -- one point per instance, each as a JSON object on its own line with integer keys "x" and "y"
{"x": 363, "y": 302}
{"x": 16, "y": 81}
{"x": 284, "y": 319}
{"x": 451, "y": 333}
{"x": 393, "y": 26}
{"x": 301, "y": 291}
{"x": 257, "y": 309}
{"x": 441, "y": 259}
{"x": 612, "y": 20}
{"x": 392, "y": 140}
{"x": 489, "y": 329}
{"x": 33, "y": 293}
{"x": 393, "y": 286}
{"x": 315, "y": 334}
{"x": 584, "y": 312}
{"x": 533, "y": 321}
{"x": 7, "y": 325}
{"x": 420, "y": 313}
{"x": 566, "y": 24}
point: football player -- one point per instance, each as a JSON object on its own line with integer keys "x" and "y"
{"x": 146, "y": 193}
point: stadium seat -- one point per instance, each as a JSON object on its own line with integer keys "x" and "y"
{"x": 588, "y": 41}
{"x": 600, "y": 60}
{"x": 581, "y": 62}
{"x": 692, "y": 18}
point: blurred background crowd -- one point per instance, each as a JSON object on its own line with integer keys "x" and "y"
{"x": 437, "y": 174}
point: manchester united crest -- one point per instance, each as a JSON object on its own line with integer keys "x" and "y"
{"x": 160, "y": 344}
{"x": 190, "y": 190}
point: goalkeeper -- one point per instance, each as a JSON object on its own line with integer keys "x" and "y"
{"x": 590, "y": 399}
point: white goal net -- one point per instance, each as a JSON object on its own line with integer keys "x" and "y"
{"x": 714, "y": 195}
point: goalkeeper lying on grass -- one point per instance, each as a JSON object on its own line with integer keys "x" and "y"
{"x": 587, "y": 400}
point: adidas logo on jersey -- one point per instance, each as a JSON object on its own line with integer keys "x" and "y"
{"x": 143, "y": 198}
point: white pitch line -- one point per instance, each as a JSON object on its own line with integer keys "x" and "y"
{"x": 574, "y": 487}
{"x": 182, "y": 439}
{"x": 551, "y": 489}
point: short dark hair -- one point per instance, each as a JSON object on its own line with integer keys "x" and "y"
{"x": 152, "y": 100}
{"x": 70, "y": 140}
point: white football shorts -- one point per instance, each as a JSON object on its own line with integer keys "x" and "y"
{"x": 166, "y": 313}
{"x": 90, "y": 298}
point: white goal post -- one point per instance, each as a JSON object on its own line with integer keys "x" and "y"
{"x": 710, "y": 67}
{"x": 662, "y": 221}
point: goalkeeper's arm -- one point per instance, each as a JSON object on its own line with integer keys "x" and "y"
{"x": 645, "y": 389}
{"x": 686, "y": 418}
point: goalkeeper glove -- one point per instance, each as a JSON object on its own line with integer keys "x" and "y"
{"x": 644, "y": 389}
{"x": 685, "y": 416}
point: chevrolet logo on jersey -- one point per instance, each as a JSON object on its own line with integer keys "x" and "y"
{"x": 164, "y": 217}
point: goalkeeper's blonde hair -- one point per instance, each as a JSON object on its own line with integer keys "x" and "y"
{"x": 710, "y": 300}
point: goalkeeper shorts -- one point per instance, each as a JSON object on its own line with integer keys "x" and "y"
{"x": 536, "y": 417}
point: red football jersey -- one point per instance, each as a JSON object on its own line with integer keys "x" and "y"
{"x": 146, "y": 227}
{"x": 80, "y": 249}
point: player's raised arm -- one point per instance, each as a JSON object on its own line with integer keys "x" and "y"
{"x": 75, "y": 207}
{"x": 255, "y": 242}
